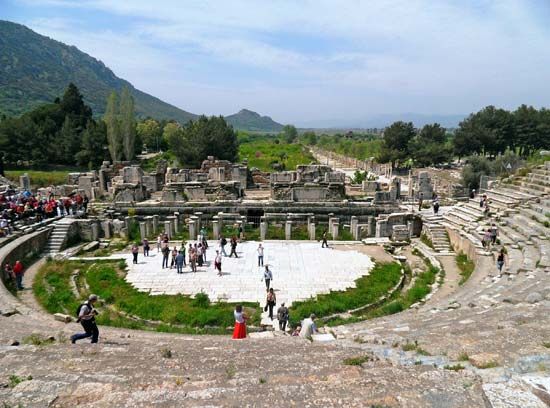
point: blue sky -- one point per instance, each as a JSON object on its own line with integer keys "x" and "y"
{"x": 309, "y": 62}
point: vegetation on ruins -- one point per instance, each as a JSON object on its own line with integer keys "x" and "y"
{"x": 124, "y": 305}
{"x": 466, "y": 267}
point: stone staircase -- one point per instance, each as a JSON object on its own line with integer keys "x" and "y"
{"x": 437, "y": 234}
{"x": 58, "y": 236}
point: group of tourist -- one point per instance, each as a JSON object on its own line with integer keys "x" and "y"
{"x": 15, "y": 273}
{"x": 484, "y": 205}
{"x": 18, "y": 206}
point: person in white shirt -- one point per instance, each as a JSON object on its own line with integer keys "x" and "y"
{"x": 260, "y": 255}
{"x": 308, "y": 327}
{"x": 268, "y": 277}
{"x": 86, "y": 317}
{"x": 218, "y": 263}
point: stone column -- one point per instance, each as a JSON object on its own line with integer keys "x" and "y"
{"x": 310, "y": 219}
{"x": 168, "y": 229}
{"x": 371, "y": 226}
{"x": 216, "y": 229}
{"x": 335, "y": 227}
{"x": 196, "y": 224}
{"x": 263, "y": 230}
{"x": 106, "y": 228}
{"x": 288, "y": 230}
{"x": 177, "y": 222}
{"x": 143, "y": 230}
{"x": 155, "y": 223}
{"x": 24, "y": 182}
{"x": 149, "y": 226}
{"x": 128, "y": 223}
{"x": 198, "y": 220}
{"x": 102, "y": 181}
{"x": 95, "y": 231}
{"x": 353, "y": 226}
{"x": 311, "y": 228}
{"x": 192, "y": 229}
{"x": 173, "y": 222}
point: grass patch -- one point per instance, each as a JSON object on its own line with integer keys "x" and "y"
{"x": 267, "y": 151}
{"x": 39, "y": 178}
{"x": 357, "y": 361}
{"x": 463, "y": 356}
{"x": 426, "y": 240}
{"x": 275, "y": 232}
{"x": 38, "y": 340}
{"x": 466, "y": 267}
{"x": 178, "y": 313}
{"x": 15, "y": 379}
{"x": 368, "y": 289}
{"x": 489, "y": 364}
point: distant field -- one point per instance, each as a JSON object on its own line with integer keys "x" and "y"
{"x": 263, "y": 153}
{"x": 39, "y": 178}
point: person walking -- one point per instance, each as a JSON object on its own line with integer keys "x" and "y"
{"x": 420, "y": 201}
{"x": 180, "y": 261}
{"x": 192, "y": 258}
{"x": 199, "y": 253}
{"x": 260, "y": 255}
{"x": 223, "y": 243}
{"x": 145, "y": 247}
{"x": 501, "y": 260}
{"x": 165, "y": 255}
{"x": 159, "y": 243}
{"x": 239, "y": 332}
{"x": 282, "y": 316}
{"x": 174, "y": 256}
{"x": 324, "y": 237}
{"x": 18, "y": 272}
{"x": 233, "y": 247}
{"x": 268, "y": 277}
{"x": 486, "y": 241}
{"x": 270, "y": 302}
{"x": 435, "y": 204}
{"x": 182, "y": 250}
{"x": 8, "y": 272}
{"x": 218, "y": 263}
{"x": 135, "y": 252}
{"x": 86, "y": 317}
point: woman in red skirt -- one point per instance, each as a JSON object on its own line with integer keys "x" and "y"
{"x": 240, "y": 323}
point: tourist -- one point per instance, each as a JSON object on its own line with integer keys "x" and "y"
{"x": 260, "y": 255}
{"x": 501, "y": 259}
{"x": 282, "y": 316}
{"x": 8, "y": 272}
{"x": 472, "y": 194}
{"x": 86, "y": 317}
{"x": 494, "y": 233}
{"x": 18, "y": 272}
{"x": 218, "y": 263}
{"x": 135, "y": 251}
{"x": 4, "y": 227}
{"x": 420, "y": 201}
{"x": 85, "y": 202}
{"x": 296, "y": 331}
{"x": 174, "y": 256}
{"x": 182, "y": 250}
{"x": 145, "y": 243}
{"x": 159, "y": 243}
{"x": 198, "y": 251}
{"x": 270, "y": 302}
{"x": 223, "y": 243}
{"x": 486, "y": 241}
{"x": 308, "y": 327}
{"x": 240, "y": 323}
{"x": 192, "y": 258}
{"x": 486, "y": 209}
{"x": 165, "y": 255}
{"x": 180, "y": 262}
{"x": 325, "y": 243}
{"x": 233, "y": 247}
{"x": 268, "y": 277}
{"x": 435, "y": 204}
{"x": 241, "y": 232}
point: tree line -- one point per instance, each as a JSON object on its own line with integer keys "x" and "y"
{"x": 66, "y": 133}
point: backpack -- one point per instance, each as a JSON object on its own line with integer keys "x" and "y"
{"x": 224, "y": 241}
{"x": 78, "y": 310}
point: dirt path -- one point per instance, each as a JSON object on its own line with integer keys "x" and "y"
{"x": 452, "y": 277}
{"x": 27, "y": 295}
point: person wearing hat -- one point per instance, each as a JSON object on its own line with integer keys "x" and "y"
{"x": 308, "y": 327}
{"x": 86, "y": 317}
{"x": 282, "y": 316}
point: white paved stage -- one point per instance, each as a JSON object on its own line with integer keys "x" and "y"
{"x": 300, "y": 270}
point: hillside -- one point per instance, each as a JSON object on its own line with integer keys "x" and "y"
{"x": 252, "y": 121}
{"x": 35, "y": 69}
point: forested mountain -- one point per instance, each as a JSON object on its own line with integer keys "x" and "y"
{"x": 35, "y": 69}
{"x": 248, "y": 120}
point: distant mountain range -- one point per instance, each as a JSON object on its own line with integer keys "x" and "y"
{"x": 383, "y": 120}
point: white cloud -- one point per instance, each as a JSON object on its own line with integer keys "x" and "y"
{"x": 295, "y": 59}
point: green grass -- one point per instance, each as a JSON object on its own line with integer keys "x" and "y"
{"x": 368, "y": 289}
{"x": 106, "y": 279}
{"x": 263, "y": 152}
{"x": 466, "y": 267}
{"x": 39, "y": 178}
{"x": 456, "y": 367}
{"x": 357, "y": 361}
{"x": 427, "y": 241}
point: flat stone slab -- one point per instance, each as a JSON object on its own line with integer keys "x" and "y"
{"x": 300, "y": 271}
{"x": 322, "y": 338}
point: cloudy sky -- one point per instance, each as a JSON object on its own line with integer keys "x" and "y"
{"x": 307, "y": 62}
